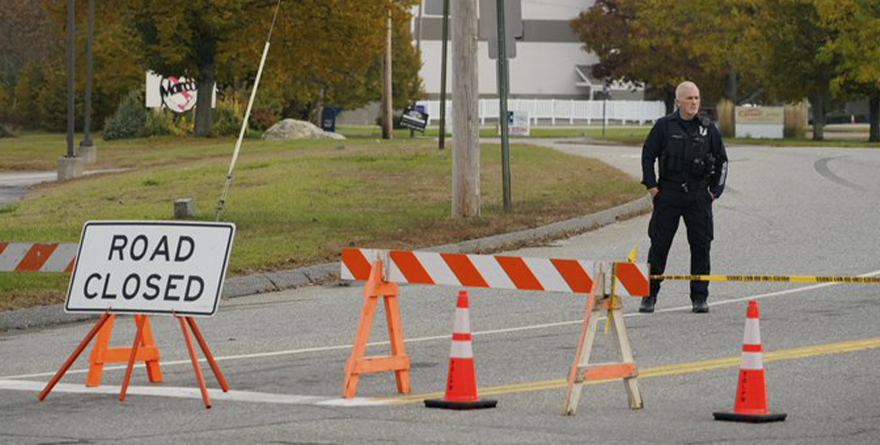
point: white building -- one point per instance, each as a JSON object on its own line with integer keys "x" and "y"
{"x": 550, "y": 61}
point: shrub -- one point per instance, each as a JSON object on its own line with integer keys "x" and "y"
{"x": 262, "y": 120}
{"x": 158, "y": 123}
{"x": 27, "y": 88}
{"x": 226, "y": 118}
{"x": 129, "y": 119}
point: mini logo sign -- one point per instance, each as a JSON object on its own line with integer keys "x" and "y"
{"x": 150, "y": 267}
{"x": 178, "y": 94}
{"x": 414, "y": 118}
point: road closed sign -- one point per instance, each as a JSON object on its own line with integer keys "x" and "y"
{"x": 150, "y": 267}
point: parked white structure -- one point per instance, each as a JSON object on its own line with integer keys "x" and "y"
{"x": 550, "y": 61}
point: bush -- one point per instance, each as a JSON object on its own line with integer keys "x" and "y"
{"x": 27, "y": 87}
{"x": 52, "y": 100}
{"x": 158, "y": 123}
{"x": 129, "y": 119}
{"x": 226, "y": 118}
{"x": 262, "y": 120}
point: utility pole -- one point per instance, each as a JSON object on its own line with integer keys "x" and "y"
{"x": 418, "y": 45}
{"x": 465, "y": 114}
{"x": 502, "y": 107}
{"x": 87, "y": 149}
{"x": 387, "y": 114}
{"x": 443, "y": 75}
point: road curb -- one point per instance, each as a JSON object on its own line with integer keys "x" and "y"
{"x": 43, "y": 316}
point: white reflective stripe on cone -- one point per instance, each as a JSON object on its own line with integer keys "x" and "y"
{"x": 752, "y": 335}
{"x": 753, "y": 360}
{"x": 462, "y": 322}
{"x": 461, "y": 349}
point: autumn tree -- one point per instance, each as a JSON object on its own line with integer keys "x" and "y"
{"x": 856, "y": 48}
{"x": 790, "y": 50}
{"x": 635, "y": 42}
{"x": 184, "y": 39}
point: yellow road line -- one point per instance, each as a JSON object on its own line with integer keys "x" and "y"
{"x": 659, "y": 371}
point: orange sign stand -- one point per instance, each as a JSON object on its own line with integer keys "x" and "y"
{"x": 398, "y": 361}
{"x": 582, "y": 371}
{"x": 102, "y": 353}
{"x": 144, "y": 349}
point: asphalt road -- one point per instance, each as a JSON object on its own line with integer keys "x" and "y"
{"x": 787, "y": 211}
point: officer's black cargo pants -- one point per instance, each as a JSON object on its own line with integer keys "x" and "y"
{"x": 695, "y": 206}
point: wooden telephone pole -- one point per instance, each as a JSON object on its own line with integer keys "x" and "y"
{"x": 387, "y": 114}
{"x": 465, "y": 111}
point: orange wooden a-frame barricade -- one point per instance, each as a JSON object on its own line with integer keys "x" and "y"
{"x": 398, "y": 361}
{"x": 582, "y": 371}
{"x": 144, "y": 349}
{"x": 102, "y": 353}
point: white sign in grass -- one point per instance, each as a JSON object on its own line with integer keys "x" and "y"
{"x": 150, "y": 267}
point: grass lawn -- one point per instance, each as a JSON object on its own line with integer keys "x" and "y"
{"x": 294, "y": 203}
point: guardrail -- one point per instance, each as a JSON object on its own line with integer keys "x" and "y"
{"x": 561, "y": 111}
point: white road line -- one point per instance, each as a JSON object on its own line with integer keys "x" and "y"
{"x": 193, "y": 393}
{"x": 444, "y": 337}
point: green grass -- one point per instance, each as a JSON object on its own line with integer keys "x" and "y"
{"x": 296, "y": 203}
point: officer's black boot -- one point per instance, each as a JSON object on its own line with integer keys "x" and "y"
{"x": 700, "y": 307}
{"x": 647, "y": 305}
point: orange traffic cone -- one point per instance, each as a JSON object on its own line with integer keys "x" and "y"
{"x": 461, "y": 385}
{"x": 751, "y": 393}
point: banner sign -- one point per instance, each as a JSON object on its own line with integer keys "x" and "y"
{"x": 177, "y": 94}
{"x": 150, "y": 267}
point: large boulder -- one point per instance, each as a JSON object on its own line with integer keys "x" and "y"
{"x": 294, "y": 129}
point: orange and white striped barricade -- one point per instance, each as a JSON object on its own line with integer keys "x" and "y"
{"x": 37, "y": 257}
{"x": 464, "y": 270}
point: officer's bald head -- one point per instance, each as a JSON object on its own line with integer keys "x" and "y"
{"x": 682, "y": 89}
{"x": 687, "y": 97}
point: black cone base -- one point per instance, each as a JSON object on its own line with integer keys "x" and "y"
{"x": 479, "y": 404}
{"x": 750, "y": 418}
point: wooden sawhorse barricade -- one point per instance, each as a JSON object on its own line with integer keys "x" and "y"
{"x": 582, "y": 371}
{"x": 143, "y": 350}
{"x": 383, "y": 268}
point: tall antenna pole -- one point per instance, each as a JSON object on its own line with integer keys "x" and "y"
{"x": 221, "y": 204}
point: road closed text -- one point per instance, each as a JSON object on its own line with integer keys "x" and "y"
{"x": 171, "y": 287}
{"x": 150, "y": 267}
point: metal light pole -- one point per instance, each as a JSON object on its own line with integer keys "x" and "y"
{"x": 70, "y": 166}
{"x": 502, "y": 96}
{"x": 443, "y": 75}
{"x": 71, "y": 65}
{"x": 86, "y": 148}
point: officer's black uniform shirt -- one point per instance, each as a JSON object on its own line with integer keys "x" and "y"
{"x": 656, "y": 143}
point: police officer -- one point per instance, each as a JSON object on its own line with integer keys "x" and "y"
{"x": 693, "y": 168}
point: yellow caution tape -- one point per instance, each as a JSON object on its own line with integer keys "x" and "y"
{"x": 768, "y": 278}
{"x": 633, "y": 254}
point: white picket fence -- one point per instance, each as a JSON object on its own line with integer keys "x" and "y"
{"x": 560, "y": 111}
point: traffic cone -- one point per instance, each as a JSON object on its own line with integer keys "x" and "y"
{"x": 461, "y": 384}
{"x": 751, "y": 393}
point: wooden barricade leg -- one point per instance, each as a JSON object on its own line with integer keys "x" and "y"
{"x": 398, "y": 361}
{"x": 582, "y": 356}
{"x": 582, "y": 371}
{"x": 102, "y": 353}
{"x": 631, "y": 383}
